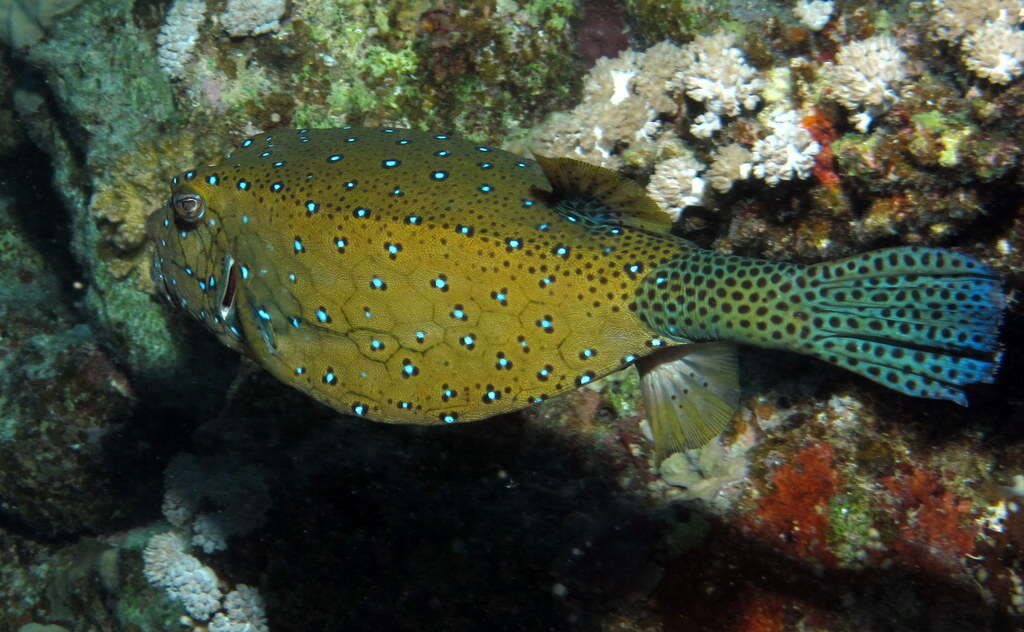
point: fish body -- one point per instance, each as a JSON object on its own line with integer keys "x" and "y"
{"x": 411, "y": 277}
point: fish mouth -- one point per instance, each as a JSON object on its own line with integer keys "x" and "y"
{"x": 226, "y": 300}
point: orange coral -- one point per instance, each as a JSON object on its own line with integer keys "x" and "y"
{"x": 765, "y": 613}
{"x": 824, "y": 133}
{"x": 795, "y": 511}
{"x": 933, "y": 532}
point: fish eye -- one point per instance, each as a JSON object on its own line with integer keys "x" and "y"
{"x": 188, "y": 207}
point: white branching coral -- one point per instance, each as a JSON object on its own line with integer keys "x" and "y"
{"x": 988, "y": 33}
{"x": 866, "y": 77}
{"x": 591, "y": 132}
{"x": 787, "y": 153}
{"x": 719, "y": 76}
{"x": 233, "y": 498}
{"x": 705, "y": 125}
{"x": 995, "y": 52}
{"x": 168, "y": 564}
{"x": 252, "y": 17}
{"x": 952, "y": 19}
{"x": 178, "y": 36}
{"x": 186, "y": 579}
{"x": 611, "y": 114}
{"x": 622, "y": 99}
{"x": 611, "y": 78}
{"x": 236, "y": 493}
{"x": 676, "y": 184}
{"x": 626, "y": 98}
{"x": 656, "y": 82}
{"x": 814, "y": 14}
{"x": 731, "y": 163}
{"x": 244, "y": 612}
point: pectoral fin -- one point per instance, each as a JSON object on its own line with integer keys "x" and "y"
{"x": 690, "y": 393}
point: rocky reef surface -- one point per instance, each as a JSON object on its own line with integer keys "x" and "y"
{"x": 151, "y": 481}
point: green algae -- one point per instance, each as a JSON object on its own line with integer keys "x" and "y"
{"x": 413, "y": 64}
{"x": 624, "y": 393}
{"x": 105, "y": 83}
{"x": 851, "y": 530}
{"x": 676, "y": 20}
{"x": 940, "y": 137}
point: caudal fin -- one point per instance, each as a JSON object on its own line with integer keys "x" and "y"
{"x": 922, "y": 321}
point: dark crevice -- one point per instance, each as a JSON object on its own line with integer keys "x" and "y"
{"x": 40, "y": 215}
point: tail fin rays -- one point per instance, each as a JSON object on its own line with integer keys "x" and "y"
{"x": 921, "y": 321}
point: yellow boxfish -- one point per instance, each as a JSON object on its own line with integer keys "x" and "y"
{"x": 410, "y": 277}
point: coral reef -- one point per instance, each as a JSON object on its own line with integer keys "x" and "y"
{"x": 995, "y": 52}
{"x": 63, "y": 399}
{"x": 177, "y": 38}
{"x": 814, "y": 14}
{"x": 252, "y": 17}
{"x": 195, "y": 586}
{"x": 675, "y": 184}
{"x": 951, "y": 19}
{"x": 183, "y": 576}
{"x": 718, "y": 75}
{"x": 800, "y": 131}
{"x": 787, "y": 152}
{"x": 24, "y": 22}
{"x": 866, "y": 77}
{"x": 988, "y": 34}
{"x": 234, "y": 495}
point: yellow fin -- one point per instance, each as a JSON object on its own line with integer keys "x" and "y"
{"x": 611, "y": 198}
{"x": 690, "y": 393}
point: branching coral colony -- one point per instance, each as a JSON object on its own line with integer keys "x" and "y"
{"x": 700, "y": 117}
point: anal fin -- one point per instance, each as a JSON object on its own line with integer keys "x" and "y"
{"x": 690, "y": 392}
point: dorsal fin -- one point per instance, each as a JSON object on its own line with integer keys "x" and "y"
{"x": 600, "y": 195}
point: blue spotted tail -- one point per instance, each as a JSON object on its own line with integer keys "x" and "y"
{"x": 921, "y": 321}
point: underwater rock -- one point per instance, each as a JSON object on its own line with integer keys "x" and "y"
{"x": 63, "y": 400}
{"x": 24, "y": 22}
